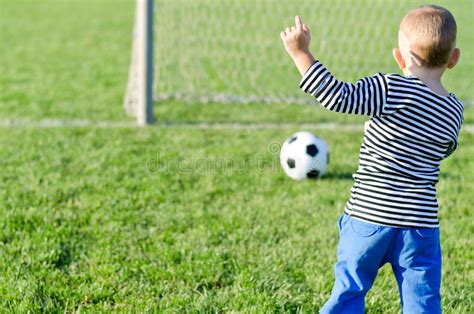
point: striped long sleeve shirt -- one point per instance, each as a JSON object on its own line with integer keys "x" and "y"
{"x": 410, "y": 131}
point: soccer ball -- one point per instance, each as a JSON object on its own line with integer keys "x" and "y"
{"x": 304, "y": 156}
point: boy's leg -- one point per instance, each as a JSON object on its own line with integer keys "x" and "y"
{"x": 361, "y": 252}
{"x": 416, "y": 263}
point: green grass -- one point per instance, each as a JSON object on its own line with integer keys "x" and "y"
{"x": 188, "y": 219}
{"x": 65, "y": 59}
{"x": 173, "y": 219}
{"x": 70, "y": 60}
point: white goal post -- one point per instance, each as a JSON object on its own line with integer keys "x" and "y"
{"x": 138, "y": 100}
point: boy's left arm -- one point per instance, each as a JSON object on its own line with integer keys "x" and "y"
{"x": 366, "y": 97}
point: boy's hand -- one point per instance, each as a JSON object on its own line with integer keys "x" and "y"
{"x": 296, "y": 40}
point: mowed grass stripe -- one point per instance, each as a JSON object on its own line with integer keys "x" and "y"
{"x": 55, "y": 123}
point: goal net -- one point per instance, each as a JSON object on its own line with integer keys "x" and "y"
{"x": 229, "y": 51}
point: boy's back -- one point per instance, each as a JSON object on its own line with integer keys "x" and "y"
{"x": 412, "y": 129}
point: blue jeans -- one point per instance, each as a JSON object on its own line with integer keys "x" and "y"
{"x": 415, "y": 256}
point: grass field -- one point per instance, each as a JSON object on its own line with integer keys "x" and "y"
{"x": 173, "y": 218}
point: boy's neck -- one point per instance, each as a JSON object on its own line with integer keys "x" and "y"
{"x": 430, "y": 77}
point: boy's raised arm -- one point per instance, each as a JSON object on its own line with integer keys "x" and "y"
{"x": 366, "y": 97}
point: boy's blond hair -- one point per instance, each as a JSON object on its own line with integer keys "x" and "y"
{"x": 431, "y": 32}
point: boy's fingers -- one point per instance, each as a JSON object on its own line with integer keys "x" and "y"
{"x": 282, "y": 35}
{"x": 298, "y": 22}
{"x": 305, "y": 28}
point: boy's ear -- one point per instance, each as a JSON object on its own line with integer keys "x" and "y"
{"x": 454, "y": 58}
{"x": 397, "y": 54}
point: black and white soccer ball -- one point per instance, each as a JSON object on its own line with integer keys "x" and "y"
{"x": 304, "y": 156}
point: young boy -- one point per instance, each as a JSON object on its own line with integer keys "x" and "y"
{"x": 391, "y": 216}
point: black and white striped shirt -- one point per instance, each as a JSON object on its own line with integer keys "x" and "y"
{"x": 411, "y": 130}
